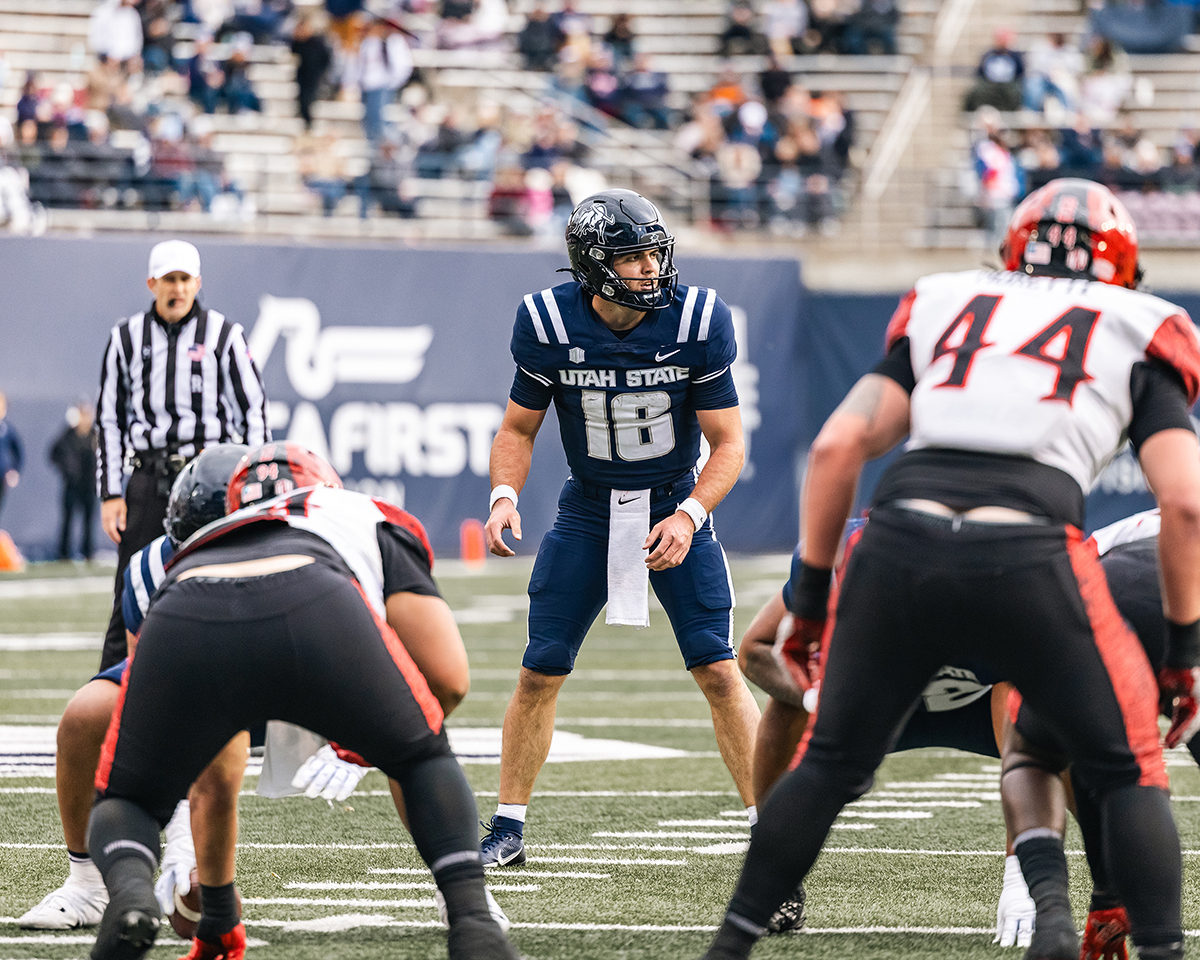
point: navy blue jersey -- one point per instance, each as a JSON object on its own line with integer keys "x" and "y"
{"x": 626, "y": 407}
{"x": 143, "y": 576}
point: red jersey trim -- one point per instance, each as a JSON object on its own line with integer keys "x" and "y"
{"x": 408, "y": 522}
{"x": 898, "y": 325}
{"x": 412, "y": 676}
{"x": 1132, "y": 678}
{"x": 109, "y": 748}
{"x": 1175, "y": 343}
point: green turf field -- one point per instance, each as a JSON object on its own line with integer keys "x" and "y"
{"x": 629, "y": 857}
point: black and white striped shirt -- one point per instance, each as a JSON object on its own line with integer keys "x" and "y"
{"x": 175, "y": 387}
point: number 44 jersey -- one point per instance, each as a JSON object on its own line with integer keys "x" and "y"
{"x": 626, "y": 406}
{"x": 1035, "y": 367}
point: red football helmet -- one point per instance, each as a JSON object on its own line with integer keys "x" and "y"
{"x": 1073, "y": 228}
{"x": 275, "y": 469}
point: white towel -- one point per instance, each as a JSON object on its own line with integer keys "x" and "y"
{"x": 628, "y": 575}
{"x": 287, "y": 748}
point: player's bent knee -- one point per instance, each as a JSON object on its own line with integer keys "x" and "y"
{"x": 719, "y": 679}
{"x": 88, "y": 714}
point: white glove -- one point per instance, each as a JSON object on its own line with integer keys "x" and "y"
{"x": 328, "y": 776}
{"x": 179, "y": 859}
{"x": 1016, "y": 913}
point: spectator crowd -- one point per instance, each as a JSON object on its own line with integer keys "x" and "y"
{"x": 137, "y": 130}
{"x": 1064, "y": 108}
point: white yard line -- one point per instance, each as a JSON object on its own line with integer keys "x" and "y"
{"x": 523, "y": 874}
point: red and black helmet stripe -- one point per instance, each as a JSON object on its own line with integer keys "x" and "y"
{"x": 275, "y": 469}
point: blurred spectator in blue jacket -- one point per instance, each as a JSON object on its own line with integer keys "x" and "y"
{"x": 872, "y": 29}
{"x": 644, "y": 96}
{"x": 12, "y": 452}
{"x": 999, "y": 76}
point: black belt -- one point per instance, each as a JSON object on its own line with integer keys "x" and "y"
{"x": 664, "y": 492}
{"x": 158, "y": 460}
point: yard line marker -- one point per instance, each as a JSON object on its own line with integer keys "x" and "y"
{"x": 343, "y": 922}
{"x": 14, "y": 642}
{"x": 939, "y": 786}
{"x": 960, "y": 804}
{"x": 522, "y": 874}
{"x": 647, "y": 847}
{"x": 889, "y": 814}
{"x": 663, "y": 834}
{"x": 631, "y": 722}
{"x": 334, "y": 902}
{"x": 621, "y": 793}
{"x": 706, "y": 823}
{"x": 965, "y": 776}
{"x": 962, "y": 795}
{"x": 413, "y": 885}
{"x": 615, "y": 861}
{"x": 27, "y": 790}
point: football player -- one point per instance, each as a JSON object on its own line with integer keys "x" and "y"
{"x": 281, "y": 611}
{"x": 197, "y": 498}
{"x": 1128, "y": 551}
{"x": 963, "y": 707}
{"x": 638, "y": 369}
{"x": 1016, "y": 388}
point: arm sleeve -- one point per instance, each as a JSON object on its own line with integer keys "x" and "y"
{"x": 712, "y": 385}
{"x": 897, "y": 365}
{"x": 1159, "y": 401}
{"x": 406, "y": 567}
{"x": 245, "y": 393}
{"x": 110, "y": 420}
{"x": 530, "y": 390}
{"x": 532, "y": 387}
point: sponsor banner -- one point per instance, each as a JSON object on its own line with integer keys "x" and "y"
{"x": 392, "y": 363}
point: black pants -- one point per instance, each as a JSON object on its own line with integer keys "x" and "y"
{"x": 81, "y": 501}
{"x": 146, "y": 510}
{"x": 301, "y": 646}
{"x": 919, "y": 592}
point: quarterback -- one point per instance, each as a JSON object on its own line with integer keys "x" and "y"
{"x": 638, "y": 369}
{"x": 1016, "y": 388}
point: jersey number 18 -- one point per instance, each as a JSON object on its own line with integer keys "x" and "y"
{"x": 640, "y": 423}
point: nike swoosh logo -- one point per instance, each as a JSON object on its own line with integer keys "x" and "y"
{"x": 660, "y": 359}
{"x": 504, "y": 861}
{"x": 630, "y": 500}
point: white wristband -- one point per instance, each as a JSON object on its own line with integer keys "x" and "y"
{"x": 694, "y": 509}
{"x": 499, "y": 492}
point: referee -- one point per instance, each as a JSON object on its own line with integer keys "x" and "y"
{"x": 175, "y": 378}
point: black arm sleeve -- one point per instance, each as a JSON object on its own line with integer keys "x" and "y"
{"x": 1159, "y": 401}
{"x": 405, "y": 563}
{"x": 897, "y": 365}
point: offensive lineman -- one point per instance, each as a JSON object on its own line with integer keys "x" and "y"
{"x": 1017, "y": 388}
{"x": 638, "y": 369}
{"x": 277, "y": 612}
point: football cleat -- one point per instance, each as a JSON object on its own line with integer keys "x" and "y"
{"x": 493, "y": 908}
{"x": 789, "y": 915}
{"x": 74, "y": 904}
{"x": 127, "y": 933}
{"x": 474, "y": 938}
{"x": 503, "y": 845}
{"x": 232, "y": 946}
{"x": 1104, "y": 935}
{"x": 1054, "y": 937}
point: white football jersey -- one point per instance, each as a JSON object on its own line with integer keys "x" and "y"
{"x": 1140, "y": 526}
{"x": 346, "y": 520}
{"x": 1035, "y": 367}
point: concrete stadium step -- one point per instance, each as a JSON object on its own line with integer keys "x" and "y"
{"x": 62, "y": 8}
{"x": 22, "y": 23}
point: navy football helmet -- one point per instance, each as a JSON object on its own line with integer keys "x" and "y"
{"x": 198, "y": 493}
{"x": 609, "y": 224}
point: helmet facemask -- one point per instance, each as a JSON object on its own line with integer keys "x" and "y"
{"x": 615, "y": 288}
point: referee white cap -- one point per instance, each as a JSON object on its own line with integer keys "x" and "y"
{"x": 174, "y": 255}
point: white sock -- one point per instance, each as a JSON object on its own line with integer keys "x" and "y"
{"x": 86, "y": 872}
{"x": 752, "y": 814}
{"x": 513, "y": 811}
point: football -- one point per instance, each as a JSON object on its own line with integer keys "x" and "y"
{"x": 187, "y": 909}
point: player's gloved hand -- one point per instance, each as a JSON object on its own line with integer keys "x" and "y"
{"x": 1016, "y": 911}
{"x": 327, "y": 776}
{"x": 801, "y": 648}
{"x": 1179, "y": 695}
{"x": 179, "y": 859}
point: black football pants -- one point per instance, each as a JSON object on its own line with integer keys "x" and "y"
{"x": 146, "y": 509}
{"x": 1028, "y": 600}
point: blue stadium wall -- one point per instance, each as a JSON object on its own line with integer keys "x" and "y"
{"x": 395, "y": 364}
